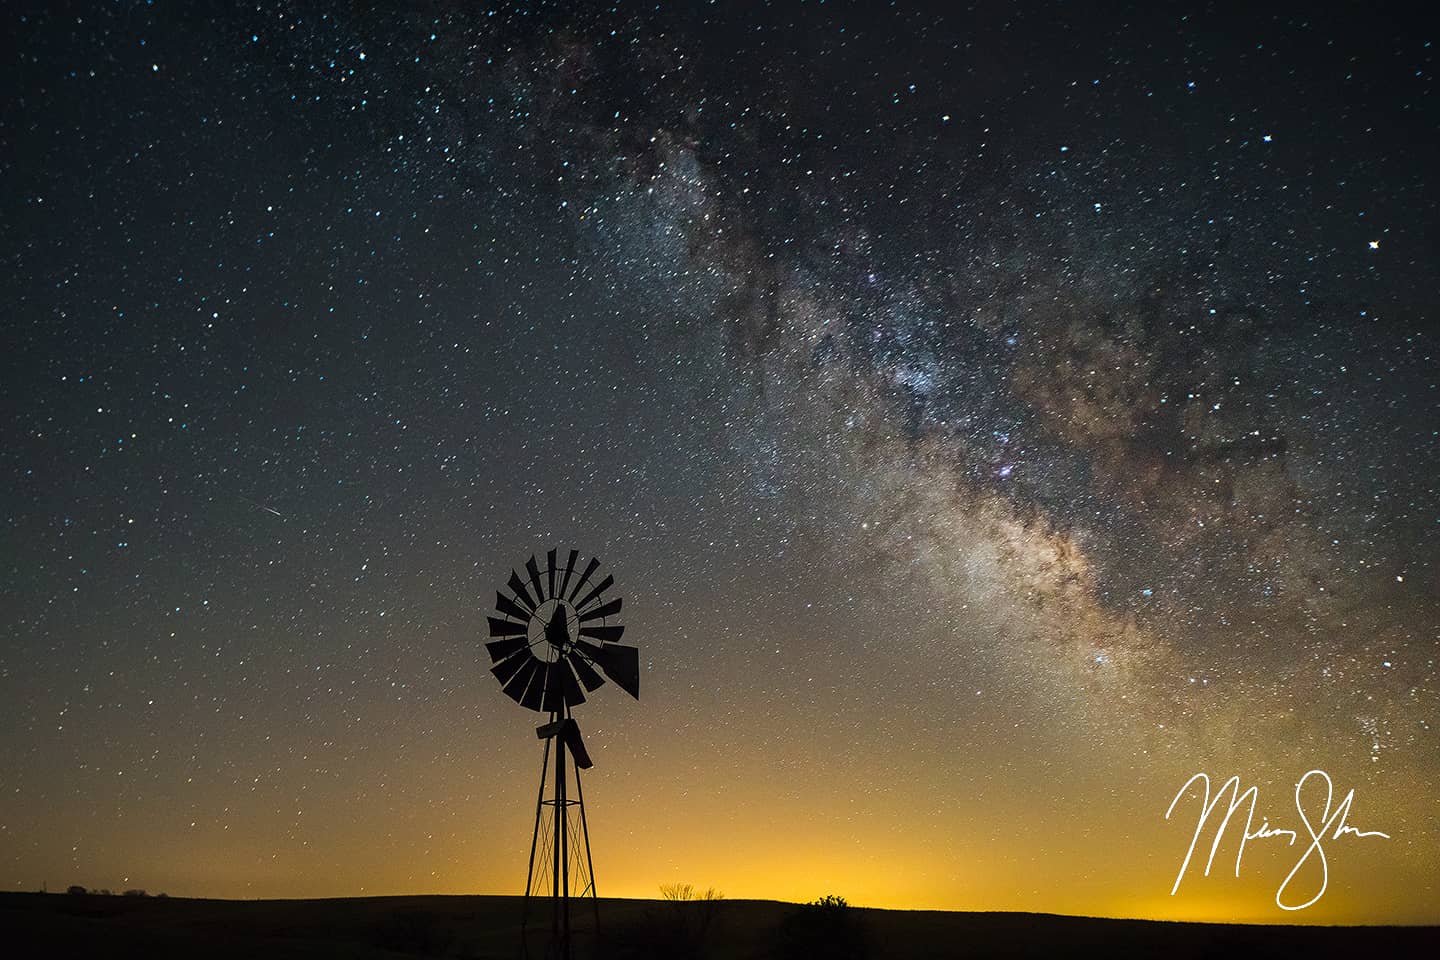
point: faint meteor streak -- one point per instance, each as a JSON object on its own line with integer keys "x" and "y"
{"x": 261, "y": 506}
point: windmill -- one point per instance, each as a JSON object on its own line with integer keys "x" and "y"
{"x": 555, "y": 639}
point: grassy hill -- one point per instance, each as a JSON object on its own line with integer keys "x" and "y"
{"x": 64, "y": 925}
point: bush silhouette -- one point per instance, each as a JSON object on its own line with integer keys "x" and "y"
{"x": 76, "y": 889}
{"x": 826, "y": 927}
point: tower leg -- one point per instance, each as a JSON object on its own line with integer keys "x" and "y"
{"x": 534, "y": 839}
{"x": 589, "y": 860}
{"x": 560, "y": 888}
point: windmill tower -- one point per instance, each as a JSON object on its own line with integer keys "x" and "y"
{"x": 556, "y": 634}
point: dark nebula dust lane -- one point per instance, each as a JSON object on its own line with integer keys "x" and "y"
{"x": 1058, "y": 384}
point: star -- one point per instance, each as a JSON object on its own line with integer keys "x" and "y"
{"x": 1374, "y": 244}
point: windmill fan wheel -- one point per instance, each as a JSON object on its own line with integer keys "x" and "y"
{"x": 556, "y": 636}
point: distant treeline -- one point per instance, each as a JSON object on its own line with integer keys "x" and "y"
{"x": 78, "y": 890}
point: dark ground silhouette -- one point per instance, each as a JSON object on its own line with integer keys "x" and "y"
{"x": 61, "y": 925}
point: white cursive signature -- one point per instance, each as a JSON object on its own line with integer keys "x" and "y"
{"x": 1327, "y": 820}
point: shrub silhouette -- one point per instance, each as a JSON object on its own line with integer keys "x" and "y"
{"x": 76, "y": 889}
{"x": 686, "y": 892}
{"x": 826, "y": 927}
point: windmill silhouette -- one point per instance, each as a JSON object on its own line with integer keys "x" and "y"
{"x": 547, "y": 646}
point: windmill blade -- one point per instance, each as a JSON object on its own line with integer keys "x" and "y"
{"x": 621, "y": 664}
{"x": 510, "y": 608}
{"x": 569, "y": 569}
{"x": 503, "y": 649}
{"x": 588, "y": 676}
{"x": 605, "y": 584}
{"x": 505, "y": 670}
{"x": 517, "y": 586}
{"x": 569, "y": 687}
{"x": 506, "y": 628}
{"x": 520, "y": 680}
{"x": 534, "y": 572}
{"x": 534, "y": 696}
{"x": 606, "y": 634}
{"x": 554, "y": 701}
{"x": 589, "y": 569}
{"x": 604, "y": 610}
{"x": 551, "y": 556}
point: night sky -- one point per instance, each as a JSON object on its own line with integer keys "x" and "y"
{"x": 991, "y": 419}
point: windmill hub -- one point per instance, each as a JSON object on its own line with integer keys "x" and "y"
{"x": 552, "y": 629}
